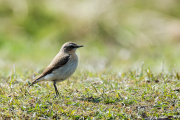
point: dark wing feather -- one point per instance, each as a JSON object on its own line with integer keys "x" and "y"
{"x": 58, "y": 61}
{"x": 56, "y": 64}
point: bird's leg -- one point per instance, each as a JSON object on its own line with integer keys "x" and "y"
{"x": 57, "y": 93}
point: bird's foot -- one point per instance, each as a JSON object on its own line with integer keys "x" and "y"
{"x": 56, "y": 96}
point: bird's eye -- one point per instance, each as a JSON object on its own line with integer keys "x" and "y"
{"x": 71, "y": 45}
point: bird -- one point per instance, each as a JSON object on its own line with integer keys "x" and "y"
{"x": 62, "y": 66}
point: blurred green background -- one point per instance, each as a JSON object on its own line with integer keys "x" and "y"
{"x": 117, "y": 34}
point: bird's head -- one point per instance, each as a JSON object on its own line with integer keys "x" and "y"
{"x": 70, "y": 47}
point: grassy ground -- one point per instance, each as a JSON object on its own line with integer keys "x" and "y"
{"x": 110, "y": 82}
{"x": 139, "y": 94}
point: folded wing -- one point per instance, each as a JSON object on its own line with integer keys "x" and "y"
{"x": 55, "y": 64}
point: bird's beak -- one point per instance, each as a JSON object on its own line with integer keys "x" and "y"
{"x": 80, "y": 46}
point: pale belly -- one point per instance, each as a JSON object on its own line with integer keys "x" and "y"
{"x": 63, "y": 72}
{"x": 66, "y": 71}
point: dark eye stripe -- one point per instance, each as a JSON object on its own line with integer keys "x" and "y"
{"x": 71, "y": 45}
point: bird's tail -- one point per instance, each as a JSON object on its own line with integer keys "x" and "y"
{"x": 34, "y": 82}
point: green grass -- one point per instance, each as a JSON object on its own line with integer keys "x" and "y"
{"x": 109, "y": 82}
{"x": 140, "y": 94}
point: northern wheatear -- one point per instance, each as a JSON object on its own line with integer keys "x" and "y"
{"x": 62, "y": 66}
